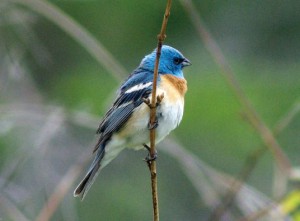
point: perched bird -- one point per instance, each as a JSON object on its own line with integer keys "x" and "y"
{"x": 125, "y": 125}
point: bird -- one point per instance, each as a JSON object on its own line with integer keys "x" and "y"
{"x": 126, "y": 123}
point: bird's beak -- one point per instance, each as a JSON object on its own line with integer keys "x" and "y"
{"x": 186, "y": 62}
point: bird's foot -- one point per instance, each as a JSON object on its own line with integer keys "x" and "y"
{"x": 159, "y": 98}
{"x": 153, "y": 125}
{"x": 149, "y": 158}
{"x": 147, "y": 102}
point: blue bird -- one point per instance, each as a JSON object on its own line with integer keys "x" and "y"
{"x": 125, "y": 125}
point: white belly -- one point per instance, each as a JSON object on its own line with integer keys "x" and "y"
{"x": 134, "y": 136}
{"x": 135, "y": 132}
{"x": 169, "y": 115}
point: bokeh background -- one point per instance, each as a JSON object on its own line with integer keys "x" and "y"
{"x": 61, "y": 63}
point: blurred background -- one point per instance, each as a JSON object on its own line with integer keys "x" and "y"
{"x": 61, "y": 62}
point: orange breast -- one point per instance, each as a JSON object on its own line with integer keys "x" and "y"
{"x": 174, "y": 87}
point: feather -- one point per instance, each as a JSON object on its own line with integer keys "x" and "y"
{"x": 131, "y": 95}
{"x": 121, "y": 128}
{"x": 84, "y": 186}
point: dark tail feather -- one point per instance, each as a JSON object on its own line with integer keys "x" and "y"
{"x": 84, "y": 186}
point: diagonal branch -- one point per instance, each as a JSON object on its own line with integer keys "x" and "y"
{"x": 78, "y": 33}
{"x": 14, "y": 213}
{"x": 62, "y": 189}
{"x": 251, "y": 114}
{"x": 250, "y": 164}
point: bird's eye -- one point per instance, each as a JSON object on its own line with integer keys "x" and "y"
{"x": 178, "y": 60}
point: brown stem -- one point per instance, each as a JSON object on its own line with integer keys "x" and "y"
{"x": 152, "y": 164}
{"x": 250, "y": 112}
{"x": 250, "y": 164}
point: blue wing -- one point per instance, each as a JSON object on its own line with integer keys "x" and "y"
{"x": 137, "y": 87}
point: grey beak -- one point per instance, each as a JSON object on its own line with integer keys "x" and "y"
{"x": 186, "y": 62}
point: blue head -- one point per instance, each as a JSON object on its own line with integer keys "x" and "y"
{"x": 171, "y": 61}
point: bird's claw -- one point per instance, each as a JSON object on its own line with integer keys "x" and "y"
{"x": 153, "y": 125}
{"x": 149, "y": 158}
{"x": 147, "y": 101}
{"x": 159, "y": 98}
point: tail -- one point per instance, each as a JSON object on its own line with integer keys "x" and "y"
{"x": 84, "y": 186}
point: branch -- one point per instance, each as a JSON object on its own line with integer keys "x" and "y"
{"x": 78, "y": 33}
{"x": 61, "y": 189}
{"x": 250, "y": 164}
{"x": 251, "y": 114}
{"x": 152, "y": 164}
{"x": 8, "y": 206}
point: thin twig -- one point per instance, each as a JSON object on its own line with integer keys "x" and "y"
{"x": 11, "y": 209}
{"x": 152, "y": 164}
{"x": 61, "y": 189}
{"x": 250, "y": 164}
{"x": 211, "y": 184}
{"x": 237, "y": 184}
{"x": 46, "y": 133}
{"x": 287, "y": 118}
{"x": 97, "y": 51}
{"x": 261, "y": 213}
{"x": 77, "y": 32}
{"x": 251, "y": 114}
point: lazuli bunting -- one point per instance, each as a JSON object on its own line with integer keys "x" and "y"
{"x": 126, "y": 123}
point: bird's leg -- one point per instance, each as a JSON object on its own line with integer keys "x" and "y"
{"x": 159, "y": 98}
{"x": 149, "y": 158}
{"x": 155, "y": 124}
